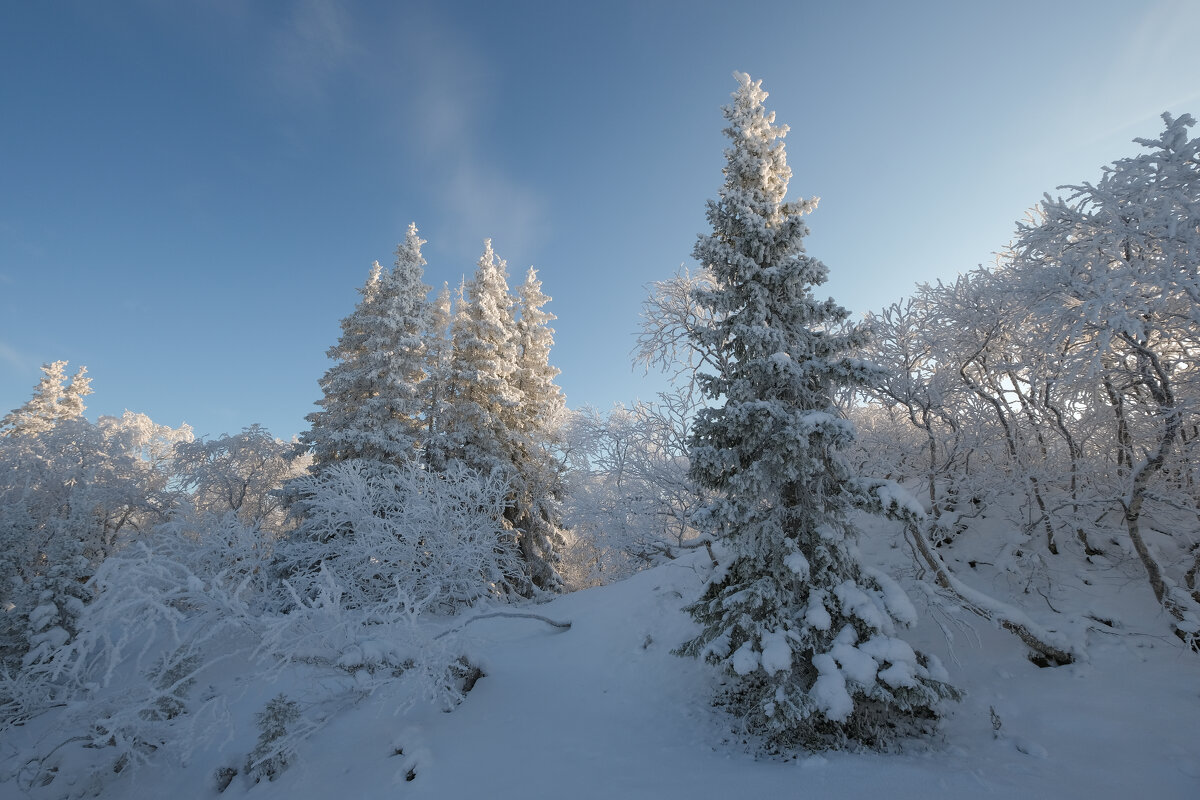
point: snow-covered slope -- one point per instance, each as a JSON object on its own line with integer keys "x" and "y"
{"x": 604, "y": 710}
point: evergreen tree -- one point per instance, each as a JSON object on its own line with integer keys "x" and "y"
{"x": 538, "y": 422}
{"x": 53, "y": 400}
{"x": 483, "y": 361}
{"x": 58, "y": 594}
{"x": 346, "y": 385}
{"x": 437, "y": 381}
{"x": 401, "y": 336}
{"x": 542, "y": 400}
{"x": 372, "y": 406}
{"x": 489, "y": 425}
{"x": 806, "y": 634}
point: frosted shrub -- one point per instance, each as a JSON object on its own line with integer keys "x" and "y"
{"x": 379, "y": 528}
{"x": 200, "y": 591}
{"x": 162, "y": 613}
{"x": 373, "y": 645}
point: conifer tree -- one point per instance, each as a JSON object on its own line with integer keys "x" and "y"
{"x": 53, "y": 400}
{"x": 542, "y": 399}
{"x": 401, "y": 336}
{"x": 488, "y": 426}
{"x": 806, "y": 634}
{"x": 437, "y": 381}
{"x": 372, "y": 406}
{"x": 483, "y": 361}
{"x": 538, "y": 424}
{"x": 346, "y": 385}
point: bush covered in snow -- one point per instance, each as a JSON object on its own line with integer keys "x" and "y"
{"x": 381, "y": 527}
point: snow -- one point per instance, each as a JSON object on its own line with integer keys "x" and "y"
{"x": 53, "y": 637}
{"x": 605, "y": 710}
{"x": 816, "y": 615}
{"x": 798, "y": 564}
{"x": 43, "y": 615}
{"x": 894, "y": 496}
{"x": 887, "y": 648}
{"x": 855, "y": 664}
{"x": 894, "y": 597}
{"x": 746, "y": 659}
{"x": 856, "y": 602}
{"x": 829, "y": 692}
{"x": 899, "y": 675}
{"x": 776, "y": 653}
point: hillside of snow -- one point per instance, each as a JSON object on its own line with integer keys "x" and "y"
{"x": 605, "y": 710}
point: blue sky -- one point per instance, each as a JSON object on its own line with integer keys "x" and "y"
{"x": 191, "y": 191}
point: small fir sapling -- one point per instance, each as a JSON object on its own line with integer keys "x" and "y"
{"x": 272, "y": 754}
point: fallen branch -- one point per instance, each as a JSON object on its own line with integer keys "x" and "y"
{"x": 511, "y": 614}
{"x": 889, "y": 499}
{"x": 1004, "y": 615}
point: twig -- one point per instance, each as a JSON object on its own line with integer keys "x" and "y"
{"x": 1047, "y": 599}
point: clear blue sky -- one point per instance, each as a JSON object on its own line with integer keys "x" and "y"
{"x": 192, "y": 190}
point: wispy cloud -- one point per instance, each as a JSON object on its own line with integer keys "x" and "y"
{"x": 444, "y": 116}
{"x": 310, "y": 49}
{"x": 491, "y": 204}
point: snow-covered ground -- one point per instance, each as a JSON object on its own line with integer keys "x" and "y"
{"x": 604, "y": 710}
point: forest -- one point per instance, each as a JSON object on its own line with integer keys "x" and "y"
{"x": 1035, "y": 421}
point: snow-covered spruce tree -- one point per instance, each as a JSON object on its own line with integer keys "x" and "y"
{"x": 539, "y": 424}
{"x": 41, "y": 560}
{"x": 483, "y": 361}
{"x": 806, "y": 634}
{"x": 372, "y": 400}
{"x": 437, "y": 387}
{"x": 346, "y": 386}
{"x": 485, "y": 425}
{"x": 405, "y": 310}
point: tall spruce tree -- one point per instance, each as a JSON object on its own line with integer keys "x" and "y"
{"x": 806, "y": 634}
{"x": 538, "y": 424}
{"x": 494, "y": 360}
{"x": 401, "y": 338}
{"x": 438, "y": 391}
{"x": 372, "y": 406}
{"x": 542, "y": 399}
{"x": 346, "y": 386}
{"x": 483, "y": 362}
